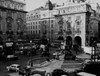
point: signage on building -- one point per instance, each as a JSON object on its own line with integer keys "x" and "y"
{"x": 72, "y": 9}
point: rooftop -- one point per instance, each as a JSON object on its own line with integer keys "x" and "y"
{"x": 20, "y": 1}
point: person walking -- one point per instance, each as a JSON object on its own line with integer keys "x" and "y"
{"x": 42, "y": 48}
{"x": 63, "y": 45}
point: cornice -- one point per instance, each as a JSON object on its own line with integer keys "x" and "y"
{"x": 4, "y": 8}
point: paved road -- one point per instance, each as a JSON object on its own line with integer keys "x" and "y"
{"x": 54, "y": 64}
{"x": 22, "y": 61}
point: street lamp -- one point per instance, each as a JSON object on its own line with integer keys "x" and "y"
{"x": 0, "y": 24}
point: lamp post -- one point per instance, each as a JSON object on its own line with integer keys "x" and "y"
{"x": 49, "y": 28}
{"x": 0, "y": 25}
{"x": 50, "y": 6}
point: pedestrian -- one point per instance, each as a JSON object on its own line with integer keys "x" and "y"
{"x": 63, "y": 45}
{"x": 34, "y": 49}
{"x": 76, "y": 48}
{"x": 42, "y": 48}
{"x": 46, "y": 52}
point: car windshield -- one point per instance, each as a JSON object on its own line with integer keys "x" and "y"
{"x": 13, "y": 66}
{"x": 18, "y": 66}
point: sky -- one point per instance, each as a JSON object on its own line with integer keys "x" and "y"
{"x": 33, "y": 4}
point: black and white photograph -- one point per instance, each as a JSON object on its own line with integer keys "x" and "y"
{"x": 49, "y": 37}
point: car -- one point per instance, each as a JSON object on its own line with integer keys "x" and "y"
{"x": 92, "y": 67}
{"x": 25, "y": 71}
{"x": 29, "y": 71}
{"x": 13, "y": 67}
{"x": 59, "y": 72}
{"x": 11, "y": 57}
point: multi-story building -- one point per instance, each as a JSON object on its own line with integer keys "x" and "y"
{"x": 12, "y": 18}
{"x": 72, "y": 22}
{"x": 34, "y": 22}
{"x": 44, "y": 25}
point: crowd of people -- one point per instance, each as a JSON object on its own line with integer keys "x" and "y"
{"x": 9, "y": 47}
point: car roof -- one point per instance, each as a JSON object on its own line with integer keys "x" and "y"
{"x": 15, "y": 65}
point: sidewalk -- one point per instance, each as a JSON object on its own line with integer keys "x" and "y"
{"x": 87, "y": 49}
{"x": 84, "y": 56}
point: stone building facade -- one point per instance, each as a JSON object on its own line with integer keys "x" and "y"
{"x": 72, "y": 22}
{"x": 12, "y": 18}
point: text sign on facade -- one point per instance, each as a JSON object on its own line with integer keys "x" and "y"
{"x": 72, "y": 9}
{"x": 75, "y": 9}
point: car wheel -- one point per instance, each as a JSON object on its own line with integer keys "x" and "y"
{"x": 48, "y": 74}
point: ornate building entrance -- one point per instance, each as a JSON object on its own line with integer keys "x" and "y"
{"x": 78, "y": 40}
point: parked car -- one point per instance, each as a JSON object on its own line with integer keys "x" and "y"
{"x": 13, "y": 67}
{"x": 25, "y": 71}
{"x": 11, "y": 57}
{"x": 92, "y": 67}
{"x": 59, "y": 72}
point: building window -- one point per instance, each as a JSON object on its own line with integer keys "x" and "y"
{"x": 29, "y": 18}
{"x": 33, "y": 32}
{"x": 51, "y": 31}
{"x": 30, "y": 32}
{"x": 58, "y": 11}
{"x": 36, "y": 31}
{"x": 39, "y": 26}
{"x": 51, "y": 25}
{"x": 33, "y": 27}
{"x": 63, "y": 11}
{"x": 51, "y": 21}
{"x": 39, "y": 16}
{"x": 44, "y": 15}
{"x": 34, "y": 23}
{"x": 39, "y": 22}
{"x": 39, "y": 31}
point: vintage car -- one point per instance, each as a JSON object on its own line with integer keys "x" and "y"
{"x": 13, "y": 67}
{"x": 11, "y": 57}
{"x": 26, "y": 71}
